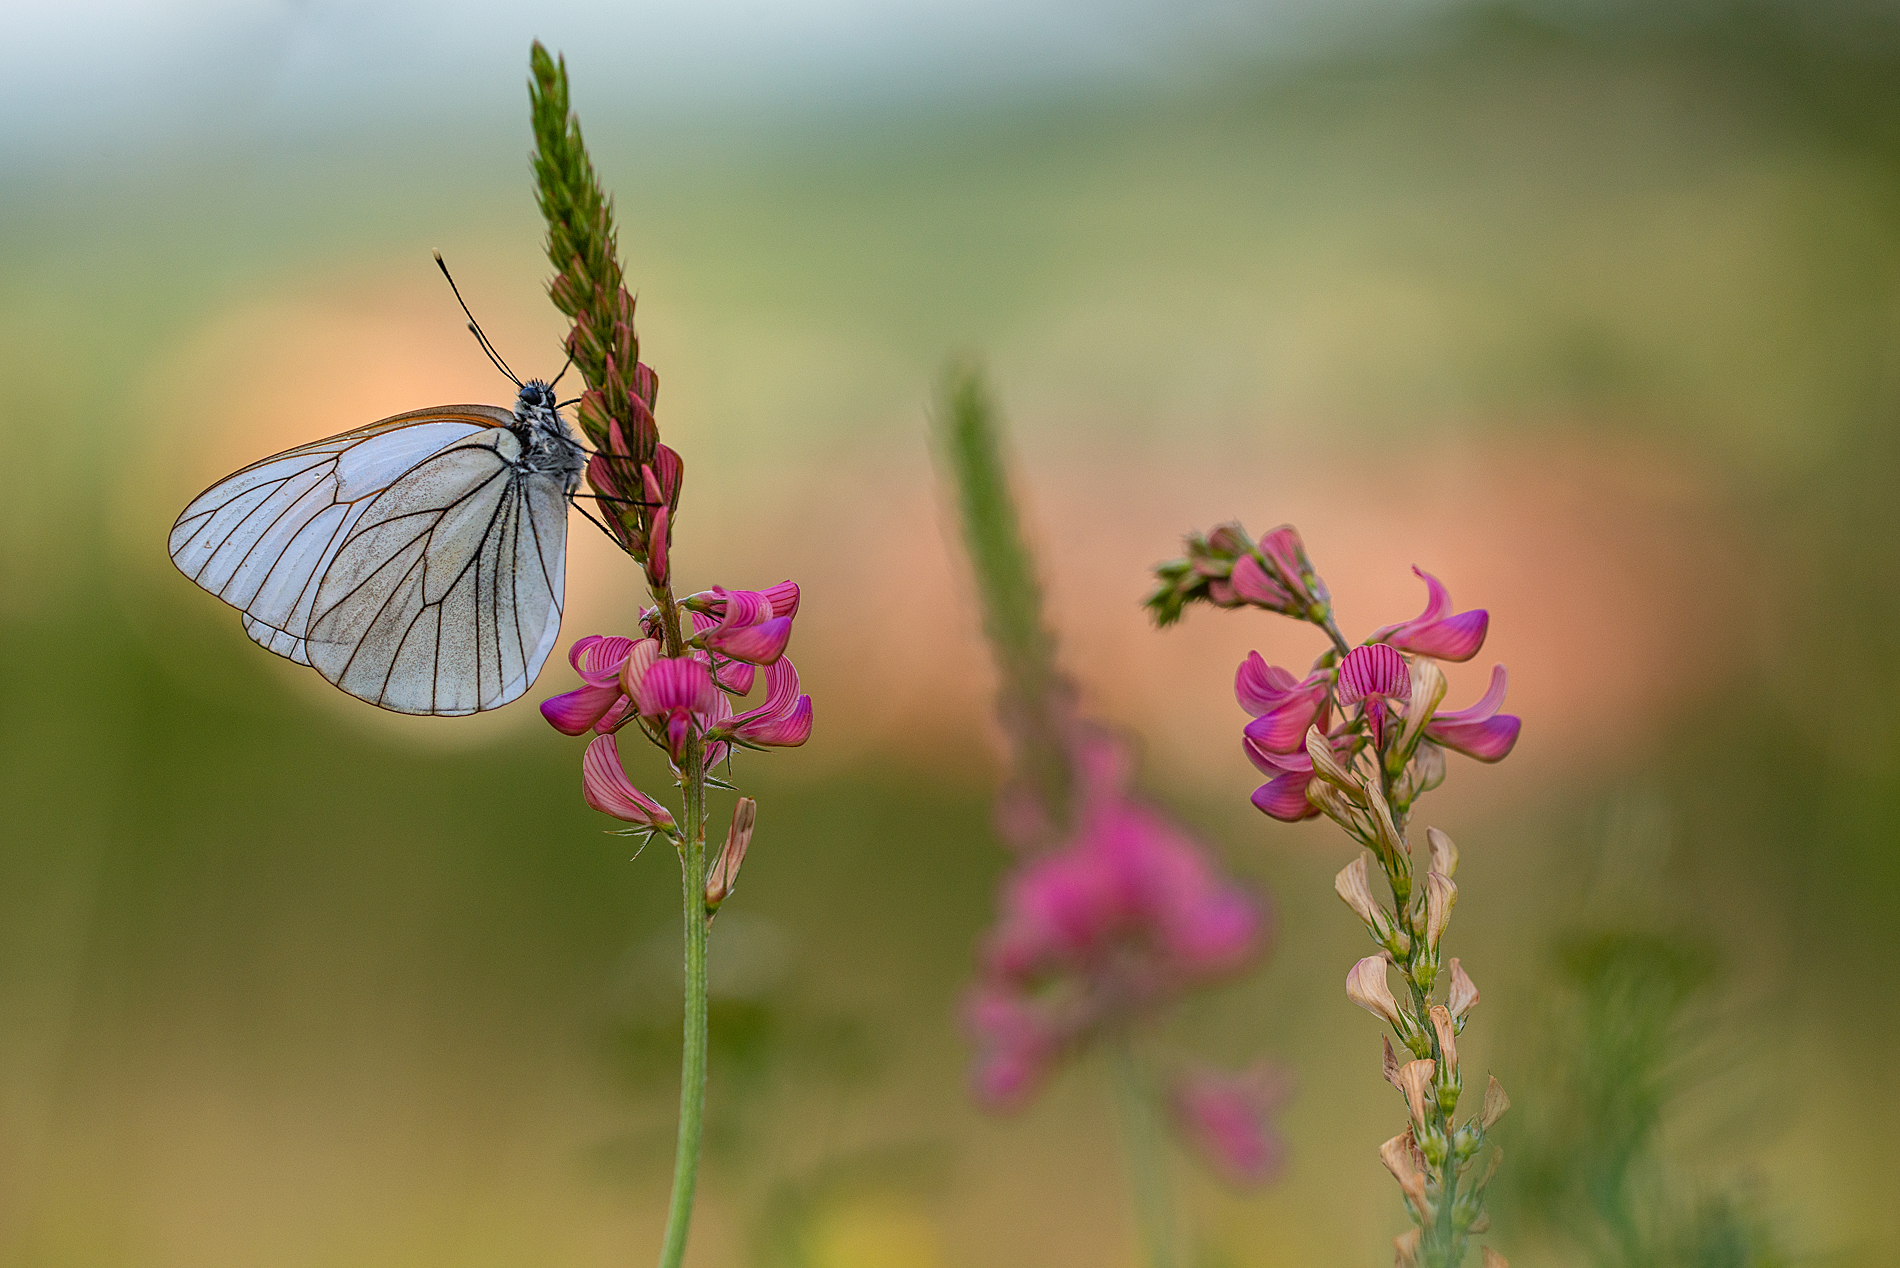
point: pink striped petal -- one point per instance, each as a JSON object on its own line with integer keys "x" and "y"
{"x": 1282, "y": 729}
{"x": 678, "y": 682}
{"x": 633, "y": 670}
{"x": 756, "y": 644}
{"x": 736, "y": 676}
{"x": 786, "y": 731}
{"x": 1373, "y": 670}
{"x": 607, "y": 789}
{"x": 784, "y": 597}
{"x": 1260, "y": 686}
{"x": 741, "y": 607}
{"x": 600, "y": 659}
{"x": 573, "y": 712}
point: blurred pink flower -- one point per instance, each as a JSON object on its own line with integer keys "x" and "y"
{"x": 1114, "y": 924}
{"x": 1377, "y": 675}
{"x": 607, "y": 789}
{"x": 1283, "y": 707}
{"x": 1226, "y": 1118}
{"x": 1479, "y": 731}
{"x": 1436, "y": 632}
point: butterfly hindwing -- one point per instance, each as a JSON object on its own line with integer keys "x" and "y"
{"x": 408, "y": 562}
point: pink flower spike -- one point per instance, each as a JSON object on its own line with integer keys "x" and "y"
{"x": 607, "y": 789}
{"x": 1436, "y": 632}
{"x": 1479, "y": 731}
{"x": 1226, "y": 1118}
{"x": 1373, "y": 670}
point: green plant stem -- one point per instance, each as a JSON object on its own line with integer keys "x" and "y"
{"x": 679, "y": 1215}
{"x": 1147, "y": 1161}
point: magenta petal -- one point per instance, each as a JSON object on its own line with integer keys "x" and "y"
{"x": 742, "y": 607}
{"x": 1251, "y": 582}
{"x": 1373, "y": 670}
{"x": 788, "y": 731}
{"x": 1282, "y": 729}
{"x": 1272, "y": 764}
{"x": 1488, "y": 704}
{"x": 781, "y": 692}
{"x": 1285, "y": 798}
{"x": 1489, "y": 740}
{"x": 756, "y": 644}
{"x": 736, "y": 676}
{"x": 679, "y": 682}
{"x": 607, "y": 789}
{"x": 598, "y": 659}
{"x": 616, "y": 715}
{"x": 573, "y": 712}
{"x": 1259, "y": 686}
{"x": 1455, "y": 639}
{"x": 784, "y": 597}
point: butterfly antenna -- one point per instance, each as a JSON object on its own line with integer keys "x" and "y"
{"x": 565, "y": 366}
{"x": 475, "y": 326}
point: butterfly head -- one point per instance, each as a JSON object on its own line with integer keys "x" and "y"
{"x": 535, "y": 395}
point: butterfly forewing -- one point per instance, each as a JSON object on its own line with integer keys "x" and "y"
{"x": 409, "y": 562}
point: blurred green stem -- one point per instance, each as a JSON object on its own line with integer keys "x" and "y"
{"x": 679, "y": 1215}
{"x": 1147, "y": 1159}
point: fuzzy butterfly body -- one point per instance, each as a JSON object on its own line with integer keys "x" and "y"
{"x": 416, "y": 563}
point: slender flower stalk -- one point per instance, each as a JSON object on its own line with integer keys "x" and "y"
{"x": 673, "y": 686}
{"x": 1374, "y": 739}
{"x": 1112, "y": 912}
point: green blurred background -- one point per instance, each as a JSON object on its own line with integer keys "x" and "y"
{"x": 1591, "y": 309}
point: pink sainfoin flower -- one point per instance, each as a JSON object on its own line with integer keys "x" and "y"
{"x": 749, "y": 628}
{"x": 1117, "y": 922}
{"x": 601, "y": 701}
{"x": 1479, "y": 731}
{"x": 625, "y": 680}
{"x": 1374, "y": 676}
{"x": 678, "y": 698}
{"x": 1227, "y": 1119}
{"x": 1435, "y": 632}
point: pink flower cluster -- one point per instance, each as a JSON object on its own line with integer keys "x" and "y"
{"x": 1381, "y": 697}
{"x": 674, "y": 699}
{"x": 1099, "y": 932}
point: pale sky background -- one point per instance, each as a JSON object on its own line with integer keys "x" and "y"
{"x": 88, "y": 79}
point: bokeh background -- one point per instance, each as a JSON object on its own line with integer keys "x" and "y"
{"x": 1590, "y": 308}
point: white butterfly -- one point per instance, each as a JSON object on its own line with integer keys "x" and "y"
{"x": 417, "y": 563}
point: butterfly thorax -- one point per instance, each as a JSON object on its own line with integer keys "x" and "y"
{"x": 546, "y": 442}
